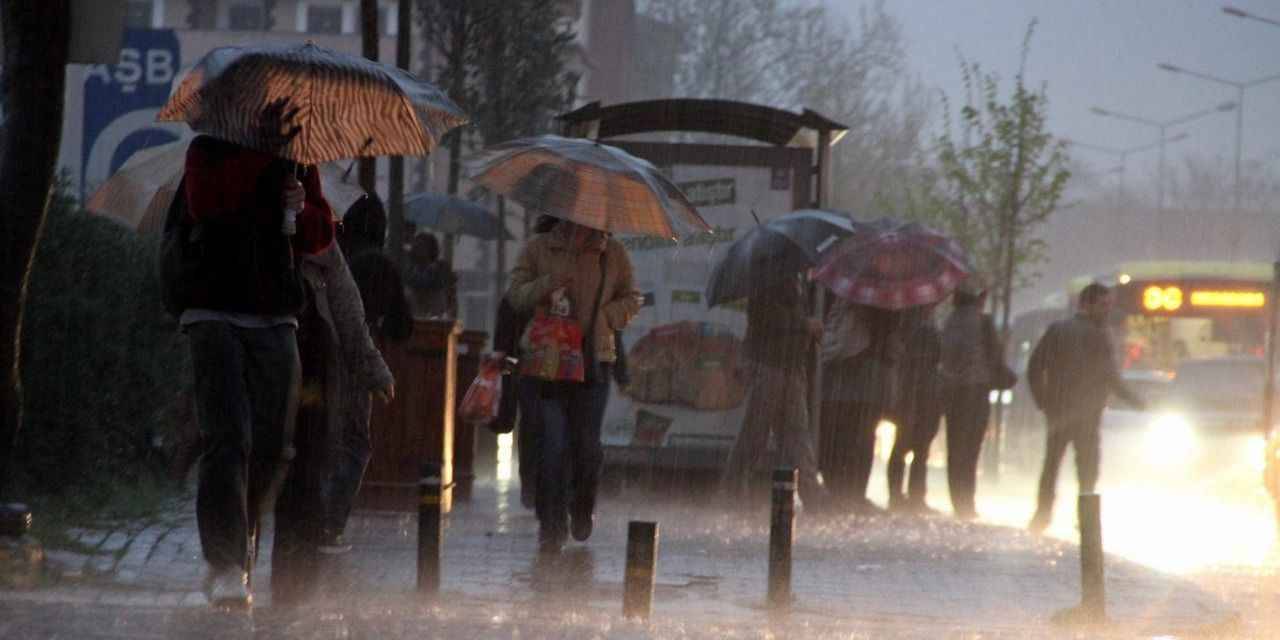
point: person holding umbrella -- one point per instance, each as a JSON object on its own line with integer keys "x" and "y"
{"x": 251, "y": 205}
{"x": 884, "y": 268}
{"x": 592, "y": 272}
{"x": 577, "y": 281}
{"x": 779, "y": 345}
{"x": 239, "y": 297}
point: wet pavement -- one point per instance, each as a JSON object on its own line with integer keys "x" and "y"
{"x": 886, "y": 576}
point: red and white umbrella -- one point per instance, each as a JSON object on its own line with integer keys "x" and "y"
{"x": 889, "y": 264}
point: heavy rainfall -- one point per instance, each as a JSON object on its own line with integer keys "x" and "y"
{"x": 639, "y": 319}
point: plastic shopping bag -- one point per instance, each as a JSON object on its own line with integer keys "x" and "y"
{"x": 480, "y": 405}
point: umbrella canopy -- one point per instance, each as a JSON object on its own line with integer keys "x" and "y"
{"x": 453, "y": 215}
{"x": 139, "y": 193}
{"x": 589, "y": 183}
{"x": 347, "y": 106}
{"x": 893, "y": 265}
{"x": 779, "y": 249}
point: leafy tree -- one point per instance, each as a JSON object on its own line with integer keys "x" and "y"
{"x": 1003, "y": 179}
{"x": 501, "y": 60}
{"x": 796, "y": 54}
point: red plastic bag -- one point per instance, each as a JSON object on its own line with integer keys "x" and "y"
{"x": 480, "y": 405}
{"x": 552, "y": 349}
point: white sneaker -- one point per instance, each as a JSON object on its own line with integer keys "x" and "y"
{"x": 229, "y": 589}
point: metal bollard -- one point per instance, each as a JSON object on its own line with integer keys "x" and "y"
{"x": 1093, "y": 588}
{"x": 430, "y": 529}
{"x": 782, "y": 528}
{"x": 642, "y": 568}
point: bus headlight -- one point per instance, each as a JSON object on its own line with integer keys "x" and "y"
{"x": 1170, "y": 439}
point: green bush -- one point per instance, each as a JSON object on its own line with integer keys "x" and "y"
{"x": 101, "y": 361}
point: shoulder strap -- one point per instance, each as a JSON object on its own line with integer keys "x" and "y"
{"x": 589, "y": 342}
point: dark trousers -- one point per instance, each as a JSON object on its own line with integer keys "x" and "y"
{"x": 527, "y": 452}
{"x": 570, "y": 454}
{"x": 915, "y": 435}
{"x": 246, "y": 388}
{"x": 848, "y": 448}
{"x": 355, "y": 449}
{"x": 300, "y": 514}
{"x": 968, "y": 411}
{"x": 1085, "y": 437}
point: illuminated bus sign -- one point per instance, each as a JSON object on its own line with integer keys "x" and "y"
{"x": 1159, "y": 298}
{"x": 1229, "y": 299}
{"x": 1156, "y": 298}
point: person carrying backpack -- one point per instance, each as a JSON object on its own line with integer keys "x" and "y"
{"x": 228, "y": 274}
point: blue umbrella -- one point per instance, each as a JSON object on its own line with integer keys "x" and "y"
{"x": 448, "y": 214}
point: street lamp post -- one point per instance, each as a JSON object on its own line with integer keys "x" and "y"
{"x": 1124, "y": 154}
{"x": 1162, "y": 127}
{"x": 1240, "y": 13}
{"x": 1239, "y": 87}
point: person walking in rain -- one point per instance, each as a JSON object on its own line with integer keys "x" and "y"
{"x": 918, "y": 411}
{"x": 341, "y": 367}
{"x": 239, "y": 292}
{"x": 593, "y": 273}
{"x": 861, "y": 350}
{"x": 431, "y": 280}
{"x": 1072, "y": 373}
{"x": 968, "y": 360}
{"x": 779, "y": 346}
{"x": 386, "y": 315}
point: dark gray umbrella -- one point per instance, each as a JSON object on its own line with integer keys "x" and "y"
{"x": 448, "y": 214}
{"x": 775, "y": 251}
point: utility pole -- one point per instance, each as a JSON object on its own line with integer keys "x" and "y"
{"x": 395, "y": 187}
{"x": 369, "y": 48}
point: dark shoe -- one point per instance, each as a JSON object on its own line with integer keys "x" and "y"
{"x": 581, "y": 523}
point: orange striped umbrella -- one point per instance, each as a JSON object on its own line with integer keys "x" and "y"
{"x": 139, "y": 194}
{"x": 347, "y": 106}
{"x": 591, "y": 184}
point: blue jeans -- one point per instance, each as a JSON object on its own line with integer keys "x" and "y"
{"x": 569, "y": 451}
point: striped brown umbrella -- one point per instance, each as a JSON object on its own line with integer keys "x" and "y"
{"x": 347, "y": 106}
{"x": 591, "y": 184}
{"x": 139, "y": 193}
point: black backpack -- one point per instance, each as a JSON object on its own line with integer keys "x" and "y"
{"x": 178, "y": 254}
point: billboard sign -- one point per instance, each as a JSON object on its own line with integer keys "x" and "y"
{"x": 121, "y": 102}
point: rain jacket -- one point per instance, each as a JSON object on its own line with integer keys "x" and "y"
{"x": 1072, "y": 372}
{"x": 547, "y": 255}
{"x": 240, "y": 257}
{"x": 778, "y": 328}
{"x": 870, "y": 376}
{"x": 386, "y": 308}
{"x": 352, "y": 365}
{"x": 966, "y": 356}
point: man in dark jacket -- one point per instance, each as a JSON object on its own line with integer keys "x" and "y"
{"x": 238, "y": 297}
{"x": 1072, "y": 373}
{"x": 918, "y": 411}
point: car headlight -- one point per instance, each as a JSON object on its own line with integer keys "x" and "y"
{"x": 1003, "y": 397}
{"x": 1170, "y": 439}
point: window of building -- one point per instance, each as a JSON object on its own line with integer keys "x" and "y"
{"x": 202, "y": 14}
{"x": 137, "y": 14}
{"x": 246, "y": 17}
{"x": 324, "y": 19}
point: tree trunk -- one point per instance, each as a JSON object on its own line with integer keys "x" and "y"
{"x": 369, "y": 48}
{"x": 36, "y": 39}
{"x": 395, "y": 187}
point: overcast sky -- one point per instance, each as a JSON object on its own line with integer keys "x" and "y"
{"x": 1104, "y": 53}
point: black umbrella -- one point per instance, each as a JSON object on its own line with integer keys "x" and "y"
{"x": 453, "y": 215}
{"x": 774, "y": 251}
